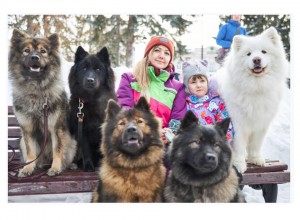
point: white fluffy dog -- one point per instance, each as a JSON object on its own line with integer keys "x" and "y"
{"x": 251, "y": 83}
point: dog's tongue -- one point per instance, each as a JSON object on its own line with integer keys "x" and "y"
{"x": 35, "y": 69}
{"x": 257, "y": 69}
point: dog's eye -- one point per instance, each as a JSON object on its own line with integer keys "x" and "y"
{"x": 98, "y": 70}
{"x": 264, "y": 52}
{"x": 84, "y": 69}
{"x": 122, "y": 123}
{"x": 140, "y": 121}
{"x": 27, "y": 50}
{"x": 43, "y": 51}
{"x": 248, "y": 54}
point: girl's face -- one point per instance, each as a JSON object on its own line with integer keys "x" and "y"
{"x": 198, "y": 86}
{"x": 160, "y": 56}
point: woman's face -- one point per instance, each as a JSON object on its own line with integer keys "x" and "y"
{"x": 159, "y": 56}
{"x": 198, "y": 86}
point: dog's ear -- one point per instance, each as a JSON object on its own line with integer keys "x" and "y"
{"x": 103, "y": 55}
{"x": 80, "y": 54}
{"x": 273, "y": 35}
{"x": 112, "y": 109}
{"x": 54, "y": 41}
{"x": 142, "y": 104}
{"x": 189, "y": 120}
{"x": 223, "y": 126}
{"x": 237, "y": 42}
{"x": 18, "y": 36}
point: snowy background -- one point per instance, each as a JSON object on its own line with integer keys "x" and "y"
{"x": 276, "y": 146}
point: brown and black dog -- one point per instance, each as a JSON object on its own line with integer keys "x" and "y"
{"x": 132, "y": 169}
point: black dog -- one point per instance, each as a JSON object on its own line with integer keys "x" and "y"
{"x": 91, "y": 82}
{"x": 201, "y": 164}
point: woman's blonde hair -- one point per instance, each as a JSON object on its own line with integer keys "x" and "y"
{"x": 142, "y": 77}
{"x": 140, "y": 72}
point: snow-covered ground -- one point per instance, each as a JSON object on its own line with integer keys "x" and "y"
{"x": 276, "y": 146}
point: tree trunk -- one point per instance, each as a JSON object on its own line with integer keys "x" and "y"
{"x": 46, "y": 25}
{"x": 33, "y": 28}
{"x": 132, "y": 22}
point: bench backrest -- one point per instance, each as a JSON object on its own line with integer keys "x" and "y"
{"x": 14, "y": 132}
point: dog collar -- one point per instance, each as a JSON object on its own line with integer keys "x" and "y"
{"x": 82, "y": 101}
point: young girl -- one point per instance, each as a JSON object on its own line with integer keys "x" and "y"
{"x": 153, "y": 77}
{"x": 202, "y": 96}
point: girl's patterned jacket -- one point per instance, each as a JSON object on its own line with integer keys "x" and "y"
{"x": 210, "y": 108}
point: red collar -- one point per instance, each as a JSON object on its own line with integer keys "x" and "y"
{"x": 82, "y": 100}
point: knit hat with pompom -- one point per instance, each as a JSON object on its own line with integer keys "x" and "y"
{"x": 190, "y": 69}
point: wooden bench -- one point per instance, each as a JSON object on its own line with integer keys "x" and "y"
{"x": 70, "y": 181}
{"x": 267, "y": 178}
{"x": 75, "y": 181}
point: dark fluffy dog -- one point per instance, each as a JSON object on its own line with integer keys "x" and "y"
{"x": 132, "y": 168}
{"x": 34, "y": 70}
{"x": 91, "y": 82}
{"x": 201, "y": 164}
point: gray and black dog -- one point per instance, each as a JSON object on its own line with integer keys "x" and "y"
{"x": 35, "y": 75}
{"x": 201, "y": 164}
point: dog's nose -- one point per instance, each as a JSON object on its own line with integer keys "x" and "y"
{"x": 256, "y": 60}
{"x": 90, "y": 80}
{"x": 35, "y": 58}
{"x": 209, "y": 157}
{"x": 131, "y": 129}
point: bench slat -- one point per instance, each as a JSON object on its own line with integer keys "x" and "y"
{"x": 14, "y": 143}
{"x": 12, "y": 121}
{"x": 70, "y": 175}
{"x": 266, "y": 178}
{"x": 10, "y": 110}
{"x": 53, "y": 187}
{"x": 14, "y": 132}
{"x": 270, "y": 166}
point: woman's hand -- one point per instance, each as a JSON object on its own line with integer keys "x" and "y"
{"x": 167, "y": 135}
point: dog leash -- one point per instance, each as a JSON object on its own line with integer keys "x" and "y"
{"x": 80, "y": 116}
{"x": 12, "y": 167}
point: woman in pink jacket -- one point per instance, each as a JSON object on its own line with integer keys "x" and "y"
{"x": 153, "y": 77}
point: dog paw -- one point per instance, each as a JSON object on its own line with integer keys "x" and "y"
{"x": 240, "y": 165}
{"x": 88, "y": 166}
{"x": 73, "y": 166}
{"x": 53, "y": 172}
{"x": 26, "y": 171}
{"x": 257, "y": 161}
